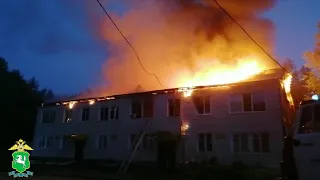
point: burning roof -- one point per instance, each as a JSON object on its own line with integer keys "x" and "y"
{"x": 265, "y": 75}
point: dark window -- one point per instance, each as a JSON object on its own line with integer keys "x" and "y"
{"x": 261, "y": 143}
{"x": 49, "y": 117}
{"x": 174, "y": 107}
{"x": 85, "y": 114}
{"x": 202, "y": 104}
{"x": 148, "y": 108}
{"x": 136, "y": 109}
{"x": 247, "y": 102}
{"x": 142, "y": 109}
{"x": 104, "y": 114}
{"x": 133, "y": 140}
{"x": 65, "y": 142}
{"x": 102, "y": 142}
{"x": 240, "y": 143}
{"x": 68, "y": 116}
{"x": 316, "y": 115}
{"x": 114, "y": 113}
{"x": 147, "y": 143}
{"x": 258, "y": 101}
{"x": 265, "y": 142}
{"x": 236, "y": 103}
{"x": 204, "y": 142}
{"x": 306, "y": 122}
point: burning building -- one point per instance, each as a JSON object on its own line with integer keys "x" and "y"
{"x": 241, "y": 121}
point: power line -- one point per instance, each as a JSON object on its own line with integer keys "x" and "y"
{"x": 133, "y": 49}
{"x": 254, "y": 41}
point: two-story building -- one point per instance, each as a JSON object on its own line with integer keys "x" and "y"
{"x": 236, "y": 122}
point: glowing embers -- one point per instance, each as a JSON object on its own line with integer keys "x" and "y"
{"x": 184, "y": 129}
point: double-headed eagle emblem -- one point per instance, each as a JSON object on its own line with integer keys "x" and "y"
{"x": 20, "y": 146}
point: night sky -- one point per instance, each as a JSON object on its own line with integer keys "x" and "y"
{"x": 57, "y": 41}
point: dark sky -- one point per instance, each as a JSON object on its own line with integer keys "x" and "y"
{"x": 56, "y": 41}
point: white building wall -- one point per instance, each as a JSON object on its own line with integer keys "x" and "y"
{"x": 219, "y": 122}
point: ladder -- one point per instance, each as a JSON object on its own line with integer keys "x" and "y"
{"x": 126, "y": 162}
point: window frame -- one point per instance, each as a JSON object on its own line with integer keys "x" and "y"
{"x": 250, "y": 139}
{"x": 142, "y": 103}
{"x": 104, "y": 142}
{"x": 314, "y": 123}
{"x": 65, "y": 114}
{"x": 49, "y": 113}
{"x": 174, "y": 107}
{"x": 82, "y": 114}
{"x": 252, "y": 104}
{"x": 205, "y": 135}
{"x": 203, "y": 102}
{"x": 109, "y": 109}
{"x": 46, "y": 144}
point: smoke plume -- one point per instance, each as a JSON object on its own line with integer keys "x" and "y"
{"x": 177, "y": 38}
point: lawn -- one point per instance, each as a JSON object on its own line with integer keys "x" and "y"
{"x": 148, "y": 171}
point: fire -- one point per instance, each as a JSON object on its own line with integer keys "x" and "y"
{"x": 211, "y": 75}
{"x": 287, "y": 88}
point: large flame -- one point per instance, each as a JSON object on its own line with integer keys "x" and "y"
{"x": 210, "y": 75}
{"x": 184, "y": 43}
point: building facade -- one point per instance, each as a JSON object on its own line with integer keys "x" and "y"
{"x": 239, "y": 122}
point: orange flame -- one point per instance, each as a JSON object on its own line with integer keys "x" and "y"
{"x": 287, "y": 88}
{"x": 210, "y": 75}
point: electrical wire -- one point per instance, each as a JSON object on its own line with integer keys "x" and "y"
{"x": 127, "y": 41}
{"x": 253, "y": 40}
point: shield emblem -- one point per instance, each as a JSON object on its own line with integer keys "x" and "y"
{"x": 20, "y": 161}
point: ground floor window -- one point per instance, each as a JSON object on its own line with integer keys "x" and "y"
{"x": 205, "y": 142}
{"x": 247, "y": 142}
{"x": 45, "y": 142}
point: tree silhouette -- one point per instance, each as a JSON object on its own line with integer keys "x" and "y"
{"x": 19, "y": 101}
{"x": 312, "y": 59}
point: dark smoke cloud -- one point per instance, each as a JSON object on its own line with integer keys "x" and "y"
{"x": 181, "y": 38}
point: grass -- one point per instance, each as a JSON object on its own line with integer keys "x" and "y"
{"x": 203, "y": 171}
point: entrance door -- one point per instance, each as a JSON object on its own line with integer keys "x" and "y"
{"x": 79, "y": 149}
{"x": 307, "y": 153}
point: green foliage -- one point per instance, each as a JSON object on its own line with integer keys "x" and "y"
{"x": 312, "y": 59}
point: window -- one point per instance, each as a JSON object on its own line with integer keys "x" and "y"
{"x": 67, "y": 116}
{"x": 64, "y": 142}
{"x": 246, "y": 143}
{"x": 109, "y": 113}
{"x": 306, "y": 122}
{"x": 45, "y": 142}
{"x": 310, "y": 119}
{"x": 133, "y": 140}
{"x": 147, "y": 143}
{"x": 240, "y": 143}
{"x": 316, "y": 116}
{"x": 260, "y": 143}
{"x": 102, "y": 142}
{"x": 85, "y": 116}
{"x": 142, "y": 109}
{"x": 247, "y": 102}
{"x": 205, "y": 142}
{"x": 48, "y": 117}
{"x": 202, "y": 104}
{"x": 174, "y": 107}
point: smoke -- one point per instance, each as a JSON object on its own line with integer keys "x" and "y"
{"x": 176, "y": 38}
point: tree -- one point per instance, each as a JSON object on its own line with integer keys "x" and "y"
{"x": 19, "y": 101}
{"x": 299, "y": 90}
{"x": 312, "y": 59}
